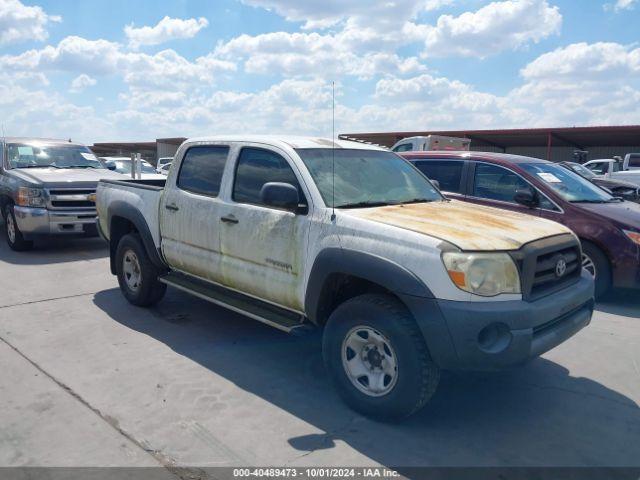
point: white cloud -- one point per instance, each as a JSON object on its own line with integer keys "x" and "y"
{"x": 19, "y": 22}
{"x": 81, "y": 82}
{"x": 325, "y": 13}
{"x": 102, "y": 57}
{"x": 621, "y": 5}
{"x": 496, "y": 27}
{"x": 583, "y": 61}
{"x": 432, "y": 5}
{"x": 293, "y": 54}
{"x": 167, "y": 29}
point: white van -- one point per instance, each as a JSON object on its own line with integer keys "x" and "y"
{"x": 432, "y": 142}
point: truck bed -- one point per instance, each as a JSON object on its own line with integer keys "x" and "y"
{"x": 142, "y": 196}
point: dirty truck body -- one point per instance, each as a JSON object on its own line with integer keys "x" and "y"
{"x": 47, "y": 188}
{"x": 404, "y": 282}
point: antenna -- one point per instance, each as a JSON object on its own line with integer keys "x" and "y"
{"x": 333, "y": 150}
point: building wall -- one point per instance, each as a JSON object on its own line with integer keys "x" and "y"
{"x": 166, "y": 149}
{"x": 561, "y": 153}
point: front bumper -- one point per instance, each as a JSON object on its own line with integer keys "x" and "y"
{"x": 40, "y": 221}
{"x": 495, "y": 335}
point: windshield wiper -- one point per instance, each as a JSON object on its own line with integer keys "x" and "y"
{"x": 79, "y": 166}
{"x": 39, "y": 166}
{"x": 589, "y": 201}
{"x": 364, "y": 204}
{"x": 416, "y": 200}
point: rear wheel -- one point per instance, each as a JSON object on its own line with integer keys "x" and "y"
{"x": 596, "y": 263}
{"x": 14, "y": 236}
{"x": 137, "y": 275}
{"x": 377, "y": 358}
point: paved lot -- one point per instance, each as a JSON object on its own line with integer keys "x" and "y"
{"x": 89, "y": 380}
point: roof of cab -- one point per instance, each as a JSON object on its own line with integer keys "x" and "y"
{"x": 288, "y": 140}
{"x": 497, "y": 157}
{"x": 37, "y": 140}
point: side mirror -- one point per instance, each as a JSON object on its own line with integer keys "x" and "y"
{"x": 110, "y": 166}
{"x": 436, "y": 183}
{"x": 526, "y": 197}
{"x": 280, "y": 195}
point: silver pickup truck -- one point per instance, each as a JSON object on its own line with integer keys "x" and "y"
{"x": 47, "y": 187}
{"x": 298, "y": 232}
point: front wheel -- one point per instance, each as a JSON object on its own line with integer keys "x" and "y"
{"x": 596, "y": 263}
{"x": 377, "y": 357}
{"x": 14, "y": 236}
{"x": 137, "y": 275}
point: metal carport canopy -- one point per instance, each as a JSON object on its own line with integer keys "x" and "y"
{"x": 578, "y": 137}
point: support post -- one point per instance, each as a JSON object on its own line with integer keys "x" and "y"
{"x": 549, "y": 146}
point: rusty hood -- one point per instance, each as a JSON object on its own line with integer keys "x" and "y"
{"x": 468, "y": 226}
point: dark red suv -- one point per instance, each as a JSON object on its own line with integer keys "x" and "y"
{"x": 608, "y": 227}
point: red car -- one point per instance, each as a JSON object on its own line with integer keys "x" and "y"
{"x": 608, "y": 227}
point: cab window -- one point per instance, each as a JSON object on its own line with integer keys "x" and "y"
{"x": 256, "y": 167}
{"x": 201, "y": 169}
{"x": 447, "y": 172}
{"x": 599, "y": 168}
{"x": 405, "y": 147}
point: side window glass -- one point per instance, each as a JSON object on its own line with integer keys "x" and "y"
{"x": 405, "y": 147}
{"x": 616, "y": 167}
{"x": 201, "y": 169}
{"x": 255, "y": 168}
{"x": 447, "y": 172}
{"x": 496, "y": 183}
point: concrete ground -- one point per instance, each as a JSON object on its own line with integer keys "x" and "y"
{"x": 88, "y": 380}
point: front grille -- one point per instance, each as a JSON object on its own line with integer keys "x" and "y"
{"x": 540, "y": 273}
{"x": 71, "y": 198}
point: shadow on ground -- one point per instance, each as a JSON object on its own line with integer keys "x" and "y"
{"x": 535, "y": 415}
{"x": 53, "y": 249}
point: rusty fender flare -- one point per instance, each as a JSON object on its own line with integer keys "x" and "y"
{"x": 124, "y": 210}
{"x": 373, "y": 268}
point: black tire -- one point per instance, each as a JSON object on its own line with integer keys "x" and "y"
{"x": 149, "y": 290}
{"x": 601, "y": 265}
{"x": 15, "y": 239}
{"x": 417, "y": 376}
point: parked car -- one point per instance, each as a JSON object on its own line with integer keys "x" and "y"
{"x": 617, "y": 168}
{"x": 123, "y": 165}
{"x": 164, "y": 170}
{"x": 294, "y": 233}
{"x": 627, "y": 190}
{"x": 431, "y": 142}
{"x": 162, "y": 165}
{"x": 47, "y": 188}
{"x": 608, "y": 227}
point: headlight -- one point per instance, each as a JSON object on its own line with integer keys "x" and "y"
{"x": 486, "y": 274}
{"x": 633, "y": 236}
{"x": 30, "y": 197}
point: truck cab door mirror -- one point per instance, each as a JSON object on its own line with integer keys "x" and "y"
{"x": 526, "y": 197}
{"x": 280, "y": 195}
{"x": 436, "y": 183}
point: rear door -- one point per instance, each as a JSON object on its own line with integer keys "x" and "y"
{"x": 449, "y": 173}
{"x": 190, "y": 212}
{"x": 263, "y": 248}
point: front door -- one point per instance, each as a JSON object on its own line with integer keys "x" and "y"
{"x": 190, "y": 212}
{"x": 496, "y": 186}
{"x": 263, "y": 248}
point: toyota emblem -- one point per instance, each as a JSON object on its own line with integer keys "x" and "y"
{"x": 561, "y": 267}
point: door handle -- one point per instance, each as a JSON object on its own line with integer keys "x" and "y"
{"x": 172, "y": 207}
{"x": 229, "y": 219}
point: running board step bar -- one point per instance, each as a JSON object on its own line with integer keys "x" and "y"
{"x": 280, "y": 318}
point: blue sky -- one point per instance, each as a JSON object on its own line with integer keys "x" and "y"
{"x": 137, "y": 70}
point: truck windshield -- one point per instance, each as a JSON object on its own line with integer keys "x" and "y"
{"x": 581, "y": 170}
{"x": 569, "y": 185}
{"x": 366, "y": 178}
{"x": 22, "y": 155}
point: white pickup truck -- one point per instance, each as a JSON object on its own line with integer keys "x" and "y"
{"x": 617, "y": 168}
{"x": 303, "y": 232}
